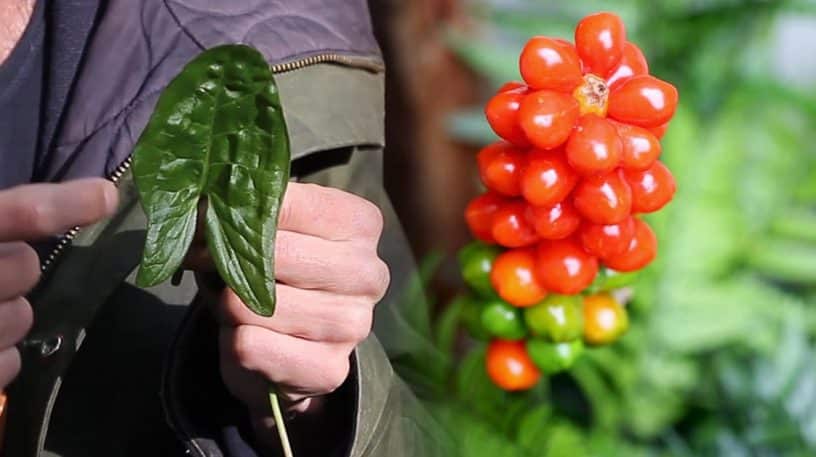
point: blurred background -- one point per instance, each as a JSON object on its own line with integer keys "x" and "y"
{"x": 720, "y": 358}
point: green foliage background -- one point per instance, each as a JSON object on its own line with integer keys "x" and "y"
{"x": 720, "y": 359}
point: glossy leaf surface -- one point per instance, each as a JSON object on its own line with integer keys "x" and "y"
{"x": 217, "y": 134}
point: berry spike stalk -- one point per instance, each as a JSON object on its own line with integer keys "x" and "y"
{"x": 559, "y": 226}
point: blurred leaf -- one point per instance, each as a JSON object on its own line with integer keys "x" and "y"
{"x": 784, "y": 260}
{"x": 797, "y": 224}
{"x": 447, "y": 324}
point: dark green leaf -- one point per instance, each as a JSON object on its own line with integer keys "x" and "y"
{"x": 217, "y": 133}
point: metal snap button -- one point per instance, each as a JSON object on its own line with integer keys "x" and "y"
{"x": 47, "y": 347}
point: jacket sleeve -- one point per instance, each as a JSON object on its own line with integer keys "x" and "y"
{"x": 373, "y": 414}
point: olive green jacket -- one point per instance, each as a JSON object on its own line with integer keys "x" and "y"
{"x": 110, "y": 369}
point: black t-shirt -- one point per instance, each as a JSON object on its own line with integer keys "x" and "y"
{"x": 21, "y": 88}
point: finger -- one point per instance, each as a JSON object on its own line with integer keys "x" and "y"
{"x": 309, "y": 262}
{"x": 298, "y": 368}
{"x": 40, "y": 210}
{"x": 16, "y": 318}
{"x": 9, "y": 366}
{"x": 311, "y": 315}
{"x": 19, "y": 269}
{"x": 329, "y": 213}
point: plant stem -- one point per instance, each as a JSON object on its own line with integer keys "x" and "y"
{"x": 279, "y": 424}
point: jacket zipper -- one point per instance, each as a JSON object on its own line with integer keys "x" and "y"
{"x": 364, "y": 63}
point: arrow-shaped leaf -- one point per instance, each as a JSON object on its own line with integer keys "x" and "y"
{"x": 217, "y": 133}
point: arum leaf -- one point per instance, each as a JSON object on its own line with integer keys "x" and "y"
{"x": 218, "y": 134}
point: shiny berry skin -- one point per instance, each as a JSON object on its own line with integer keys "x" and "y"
{"x": 475, "y": 263}
{"x": 607, "y": 240}
{"x": 558, "y": 318}
{"x": 513, "y": 277}
{"x": 605, "y": 320}
{"x": 641, "y": 251}
{"x": 510, "y": 85}
{"x": 643, "y": 100}
{"x": 594, "y": 147}
{"x": 547, "y": 179}
{"x": 500, "y": 167}
{"x": 640, "y": 147}
{"x": 659, "y": 131}
{"x": 502, "y": 114}
{"x": 564, "y": 267}
{"x": 555, "y": 222}
{"x": 479, "y": 215}
{"x": 512, "y": 225}
{"x": 548, "y": 117}
{"x": 603, "y": 199}
{"x": 510, "y": 367}
{"x": 547, "y": 63}
{"x": 632, "y": 63}
{"x": 652, "y": 188}
{"x": 599, "y": 40}
{"x": 552, "y": 358}
{"x": 502, "y": 320}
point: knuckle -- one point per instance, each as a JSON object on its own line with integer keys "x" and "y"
{"x": 32, "y": 215}
{"x": 368, "y": 219}
{"x": 358, "y": 322}
{"x": 378, "y": 277}
{"x": 22, "y": 315}
{"x": 30, "y": 265}
{"x": 22, "y": 263}
{"x": 242, "y": 347}
{"x": 10, "y": 364}
{"x": 335, "y": 374}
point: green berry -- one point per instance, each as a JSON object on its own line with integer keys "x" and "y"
{"x": 558, "y": 318}
{"x": 552, "y": 358}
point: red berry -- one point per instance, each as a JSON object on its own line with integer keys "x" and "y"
{"x": 479, "y": 215}
{"x": 512, "y": 225}
{"x": 547, "y": 118}
{"x": 547, "y": 179}
{"x": 607, "y": 240}
{"x": 502, "y": 114}
{"x": 594, "y": 147}
{"x": 564, "y": 267}
{"x": 643, "y": 100}
{"x": 660, "y": 130}
{"x": 640, "y": 147}
{"x": 510, "y": 85}
{"x": 500, "y": 166}
{"x": 513, "y": 278}
{"x": 603, "y": 199}
{"x": 548, "y": 63}
{"x": 632, "y": 63}
{"x": 641, "y": 251}
{"x": 555, "y": 222}
{"x": 510, "y": 367}
{"x": 599, "y": 39}
{"x": 652, "y": 189}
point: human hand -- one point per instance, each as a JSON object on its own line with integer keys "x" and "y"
{"x": 32, "y": 212}
{"x": 329, "y": 279}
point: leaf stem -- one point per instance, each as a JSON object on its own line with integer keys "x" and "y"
{"x": 279, "y": 423}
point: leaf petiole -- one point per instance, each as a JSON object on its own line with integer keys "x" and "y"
{"x": 279, "y": 423}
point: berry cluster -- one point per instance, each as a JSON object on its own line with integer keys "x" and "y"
{"x": 577, "y": 163}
